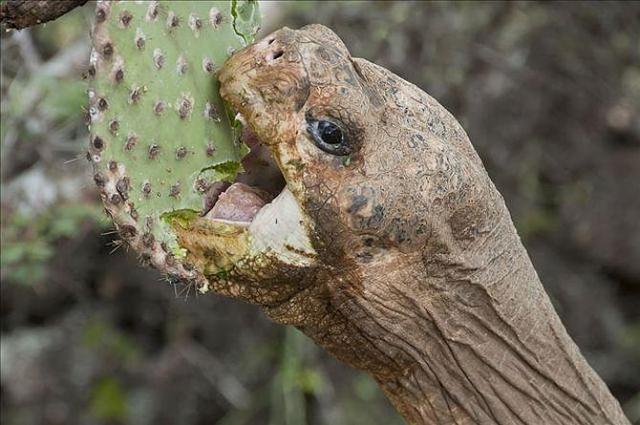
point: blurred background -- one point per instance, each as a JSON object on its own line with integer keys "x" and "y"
{"x": 548, "y": 93}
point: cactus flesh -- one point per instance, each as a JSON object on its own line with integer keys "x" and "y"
{"x": 160, "y": 134}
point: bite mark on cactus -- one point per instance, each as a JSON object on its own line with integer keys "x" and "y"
{"x": 181, "y": 217}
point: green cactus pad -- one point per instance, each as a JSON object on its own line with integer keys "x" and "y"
{"x": 160, "y": 134}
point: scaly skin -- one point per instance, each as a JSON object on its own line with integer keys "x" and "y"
{"x": 417, "y": 274}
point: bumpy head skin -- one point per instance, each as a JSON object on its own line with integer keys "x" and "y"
{"x": 408, "y": 265}
{"x": 411, "y": 179}
{"x": 160, "y": 135}
{"x": 411, "y": 183}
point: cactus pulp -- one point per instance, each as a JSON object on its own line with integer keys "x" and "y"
{"x": 160, "y": 134}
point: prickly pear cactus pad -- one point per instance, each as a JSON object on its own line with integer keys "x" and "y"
{"x": 160, "y": 136}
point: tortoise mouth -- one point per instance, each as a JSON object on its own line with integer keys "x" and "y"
{"x": 260, "y": 181}
{"x": 254, "y": 217}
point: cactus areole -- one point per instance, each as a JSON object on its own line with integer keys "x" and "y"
{"x": 361, "y": 215}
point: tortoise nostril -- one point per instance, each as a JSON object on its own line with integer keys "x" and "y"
{"x": 274, "y": 55}
{"x": 271, "y": 41}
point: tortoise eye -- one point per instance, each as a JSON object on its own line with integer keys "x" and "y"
{"x": 329, "y": 137}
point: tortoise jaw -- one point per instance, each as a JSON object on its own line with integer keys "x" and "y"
{"x": 278, "y": 238}
{"x": 250, "y": 228}
{"x": 282, "y": 229}
{"x": 272, "y": 233}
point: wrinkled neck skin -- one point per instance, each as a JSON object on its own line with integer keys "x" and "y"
{"x": 417, "y": 274}
{"x": 464, "y": 337}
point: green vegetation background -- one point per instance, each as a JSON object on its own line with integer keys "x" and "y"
{"x": 550, "y": 95}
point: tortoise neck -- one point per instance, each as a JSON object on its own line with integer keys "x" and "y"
{"x": 480, "y": 342}
{"x": 461, "y": 336}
